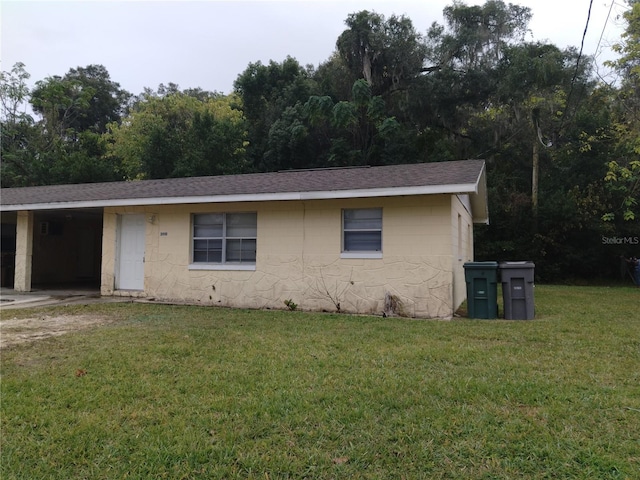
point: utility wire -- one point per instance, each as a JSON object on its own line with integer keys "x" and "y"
{"x": 584, "y": 34}
{"x": 606, "y": 22}
{"x": 575, "y": 73}
{"x": 604, "y": 28}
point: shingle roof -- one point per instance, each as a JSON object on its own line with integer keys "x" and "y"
{"x": 334, "y": 182}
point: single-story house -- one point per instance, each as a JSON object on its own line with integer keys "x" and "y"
{"x": 361, "y": 240}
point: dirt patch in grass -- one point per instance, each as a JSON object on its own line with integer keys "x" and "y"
{"x": 23, "y": 330}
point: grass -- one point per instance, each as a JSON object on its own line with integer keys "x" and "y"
{"x": 194, "y": 392}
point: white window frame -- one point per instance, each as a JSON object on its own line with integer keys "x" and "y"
{"x": 224, "y": 264}
{"x": 360, "y": 253}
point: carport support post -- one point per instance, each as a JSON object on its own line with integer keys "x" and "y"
{"x": 24, "y": 252}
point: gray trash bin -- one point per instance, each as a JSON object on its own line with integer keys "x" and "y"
{"x": 517, "y": 290}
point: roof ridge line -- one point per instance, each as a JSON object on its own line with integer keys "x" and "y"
{"x": 322, "y": 169}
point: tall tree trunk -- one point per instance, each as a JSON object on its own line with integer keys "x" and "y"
{"x": 366, "y": 69}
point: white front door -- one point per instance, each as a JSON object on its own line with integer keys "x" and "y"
{"x": 130, "y": 263}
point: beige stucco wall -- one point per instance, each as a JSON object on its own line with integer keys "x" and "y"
{"x": 462, "y": 245}
{"x": 298, "y": 257}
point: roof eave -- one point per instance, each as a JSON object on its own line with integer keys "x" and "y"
{"x": 471, "y": 188}
{"x": 480, "y": 201}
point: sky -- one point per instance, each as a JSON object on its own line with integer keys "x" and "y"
{"x": 208, "y": 43}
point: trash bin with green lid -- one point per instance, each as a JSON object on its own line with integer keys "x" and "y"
{"x": 517, "y": 290}
{"x": 482, "y": 289}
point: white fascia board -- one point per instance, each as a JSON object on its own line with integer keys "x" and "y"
{"x": 391, "y": 192}
{"x": 256, "y": 197}
{"x": 480, "y": 202}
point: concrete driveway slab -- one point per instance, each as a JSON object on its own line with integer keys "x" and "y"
{"x": 10, "y": 299}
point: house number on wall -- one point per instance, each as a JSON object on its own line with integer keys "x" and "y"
{"x": 164, "y": 234}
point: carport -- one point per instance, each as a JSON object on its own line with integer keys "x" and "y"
{"x": 52, "y": 249}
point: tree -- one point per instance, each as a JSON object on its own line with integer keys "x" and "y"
{"x": 628, "y": 65}
{"x": 178, "y": 135}
{"x": 18, "y": 133}
{"x": 289, "y": 144}
{"x": 14, "y": 94}
{"x": 266, "y": 91}
{"x": 74, "y": 111}
{"x": 334, "y": 79}
{"x": 85, "y": 99}
{"x": 60, "y": 103}
{"x": 458, "y": 79}
{"x": 108, "y": 102}
{"x": 624, "y": 180}
{"x": 623, "y": 175}
{"x": 534, "y": 86}
{"x": 355, "y": 132}
{"x": 476, "y": 36}
{"x": 387, "y": 54}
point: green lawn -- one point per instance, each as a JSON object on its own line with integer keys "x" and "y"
{"x": 194, "y": 392}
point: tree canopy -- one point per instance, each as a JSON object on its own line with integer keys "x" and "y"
{"x": 562, "y": 146}
{"x": 179, "y": 134}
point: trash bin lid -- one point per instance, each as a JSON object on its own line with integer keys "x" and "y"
{"x": 504, "y": 265}
{"x": 480, "y": 265}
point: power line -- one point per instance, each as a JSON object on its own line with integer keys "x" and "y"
{"x": 606, "y": 22}
{"x": 598, "y": 51}
{"x": 584, "y": 35}
{"x": 575, "y": 73}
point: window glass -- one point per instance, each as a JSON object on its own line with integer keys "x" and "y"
{"x": 224, "y": 238}
{"x": 208, "y": 219}
{"x": 362, "y": 241}
{"x": 365, "y": 219}
{"x": 241, "y": 225}
{"x": 241, "y": 250}
{"x": 208, "y": 225}
{"x": 207, "y": 230}
{"x": 209, "y": 251}
{"x": 249, "y": 250}
{"x": 362, "y": 230}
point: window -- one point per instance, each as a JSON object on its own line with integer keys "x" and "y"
{"x": 362, "y": 232}
{"x": 224, "y": 238}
